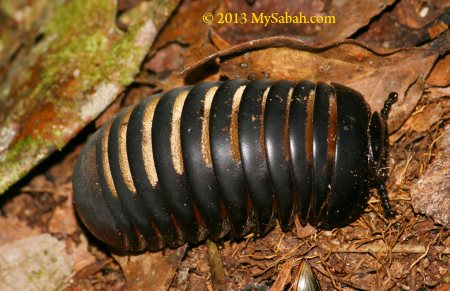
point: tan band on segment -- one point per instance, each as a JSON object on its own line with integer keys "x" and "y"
{"x": 206, "y": 147}
{"x": 309, "y": 127}
{"x": 261, "y": 120}
{"x": 105, "y": 159}
{"x": 331, "y": 145}
{"x": 123, "y": 157}
{"x": 287, "y": 148}
{"x": 234, "y": 129}
{"x": 332, "y": 128}
{"x": 147, "y": 147}
{"x": 175, "y": 135}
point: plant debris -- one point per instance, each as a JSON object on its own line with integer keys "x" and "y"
{"x": 58, "y": 73}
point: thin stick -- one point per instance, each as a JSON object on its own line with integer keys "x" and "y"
{"x": 407, "y": 249}
{"x": 215, "y": 263}
{"x": 424, "y": 253}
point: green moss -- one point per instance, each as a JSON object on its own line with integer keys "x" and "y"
{"x": 96, "y": 51}
{"x": 2, "y": 44}
{"x": 84, "y": 53}
{"x": 27, "y": 144}
{"x": 14, "y": 160}
{"x": 6, "y": 7}
{"x": 125, "y": 48}
{"x": 81, "y": 40}
{"x": 81, "y": 49}
{"x": 36, "y": 275}
{"x": 81, "y": 16}
{"x": 58, "y": 140}
{"x": 30, "y": 146}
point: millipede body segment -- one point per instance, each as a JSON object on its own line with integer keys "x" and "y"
{"x": 230, "y": 157}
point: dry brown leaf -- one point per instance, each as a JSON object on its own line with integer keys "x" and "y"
{"x": 408, "y": 23}
{"x": 83, "y": 259}
{"x": 218, "y": 41}
{"x": 13, "y": 229}
{"x": 351, "y": 64}
{"x": 432, "y": 112}
{"x": 149, "y": 270}
{"x": 444, "y": 287}
{"x": 186, "y": 26}
{"x": 416, "y": 14}
{"x": 440, "y": 75}
{"x": 303, "y": 231}
{"x": 429, "y": 115}
{"x": 196, "y": 283}
{"x": 284, "y": 275}
{"x": 170, "y": 58}
{"x": 349, "y": 16}
{"x": 184, "y": 38}
{"x": 375, "y": 74}
{"x": 438, "y": 92}
{"x": 64, "y": 220}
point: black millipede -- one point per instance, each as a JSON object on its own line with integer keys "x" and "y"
{"x": 231, "y": 157}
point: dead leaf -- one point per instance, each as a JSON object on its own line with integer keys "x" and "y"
{"x": 429, "y": 115}
{"x": 83, "y": 259}
{"x": 425, "y": 116}
{"x": 438, "y": 92}
{"x": 186, "y": 26}
{"x": 196, "y": 283}
{"x": 186, "y": 29}
{"x": 149, "y": 270}
{"x": 440, "y": 75}
{"x": 349, "y": 17}
{"x": 284, "y": 276}
{"x": 408, "y": 23}
{"x": 13, "y": 230}
{"x": 64, "y": 220}
{"x": 373, "y": 73}
{"x": 171, "y": 58}
{"x": 304, "y": 231}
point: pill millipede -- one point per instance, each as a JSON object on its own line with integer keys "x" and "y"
{"x": 229, "y": 158}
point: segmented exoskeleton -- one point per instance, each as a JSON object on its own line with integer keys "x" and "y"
{"x": 230, "y": 157}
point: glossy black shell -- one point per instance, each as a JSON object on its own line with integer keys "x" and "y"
{"x": 227, "y": 157}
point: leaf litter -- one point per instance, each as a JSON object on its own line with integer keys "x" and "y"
{"x": 409, "y": 252}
